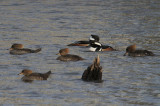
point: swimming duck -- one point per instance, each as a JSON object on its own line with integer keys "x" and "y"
{"x": 17, "y": 49}
{"x": 29, "y": 76}
{"x": 85, "y": 43}
{"x": 97, "y": 46}
{"x": 68, "y": 57}
{"x": 131, "y": 51}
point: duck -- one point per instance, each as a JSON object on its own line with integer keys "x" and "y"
{"x": 93, "y": 72}
{"x": 64, "y": 56}
{"x": 29, "y": 76}
{"x": 85, "y": 43}
{"x": 131, "y": 51}
{"x": 17, "y": 49}
{"x": 97, "y": 46}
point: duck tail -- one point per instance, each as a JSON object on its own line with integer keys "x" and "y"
{"x": 82, "y": 58}
{"x": 115, "y": 50}
{"x": 112, "y": 49}
{"x": 37, "y": 50}
{"x": 46, "y": 75}
{"x": 149, "y": 53}
{"x": 72, "y": 44}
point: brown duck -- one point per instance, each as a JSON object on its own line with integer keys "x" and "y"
{"x": 131, "y": 51}
{"x": 29, "y": 76}
{"x": 17, "y": 49}
{"x": 68, "y": 57}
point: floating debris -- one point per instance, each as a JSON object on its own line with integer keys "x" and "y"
{"x": 93, "y": 72}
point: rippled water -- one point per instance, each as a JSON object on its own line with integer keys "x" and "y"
{"x": 52, "y": 24}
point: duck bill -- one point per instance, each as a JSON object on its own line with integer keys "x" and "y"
{"x": 11, "y": 49}
{"x": 125, "y": 54}
{"x": 58, "y": 54}
{"x": 20, "y": 74}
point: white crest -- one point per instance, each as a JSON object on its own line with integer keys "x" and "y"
{"x": 91, "y": 38}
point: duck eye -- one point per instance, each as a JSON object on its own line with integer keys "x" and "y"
{"x": 127, "y": 49}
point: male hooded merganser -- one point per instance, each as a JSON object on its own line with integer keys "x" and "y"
{"x": 131, "y": 51}
{"x": 29, "y": 76}
{"x": 96, "y": 46}
{"x": 68, "y": 57}
{"x": 85, "y": 43}
{"x": 17, "y": 49}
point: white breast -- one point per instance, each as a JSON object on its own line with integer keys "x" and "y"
{"x": 92, "y": 49}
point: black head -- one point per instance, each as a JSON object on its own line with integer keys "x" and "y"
{"x": 94, "y": 38}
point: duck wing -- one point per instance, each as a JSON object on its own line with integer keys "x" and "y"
{"x": 31, "y": 51}
{"x": 69, "y": 57}
{"x": 79, "y": 43}
{"x": 141, "y": 53}
{"x": 24, "y": 51}
{"x": 36, "y": 76}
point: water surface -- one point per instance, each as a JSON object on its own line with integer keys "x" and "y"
{"x": 52, "y": 24}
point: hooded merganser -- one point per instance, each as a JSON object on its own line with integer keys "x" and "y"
{"x": 17, "y": 49}
{"x": 96, "y": 46}
{"x": 68, "y": 57}
{"x": 29, "y": 76}
{"x": 131, "y": 51}
{"x": 85, "y": 43}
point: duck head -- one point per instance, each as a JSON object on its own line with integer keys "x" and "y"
{"x": 16, "y": 46}
{"x": 130, "y": 49}
{"x": 63, "y": 51}
{"x": 25, "y": 72}
{"x": 94, "y": 38}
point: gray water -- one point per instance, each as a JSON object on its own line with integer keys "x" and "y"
{"x": 52, "y": 24}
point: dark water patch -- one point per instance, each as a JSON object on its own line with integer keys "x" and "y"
{"x": 71, "y": 73}
{"x": 31, "y": 94}
{"x": 54, "y": 12}
{"x": 4, "y": 66}
{"x": 27, "y": 104}
{"x": 61, "y": 36}
{"x": 18, "y": 64}
{"x": 14, "y": 4}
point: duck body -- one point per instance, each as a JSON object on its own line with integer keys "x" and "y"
{"x": 29, "y": 76}
{"x": 131, "y": 51}
{"x": 23, "y": 51}
{"x": 17, "y": 49}
{"x": 36, "y": 76}
{"x": 140, "y": 53}
{"x": 67, "y": 57}
{"x": 94, "y": 72}
{"x": 96, "y": 46}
